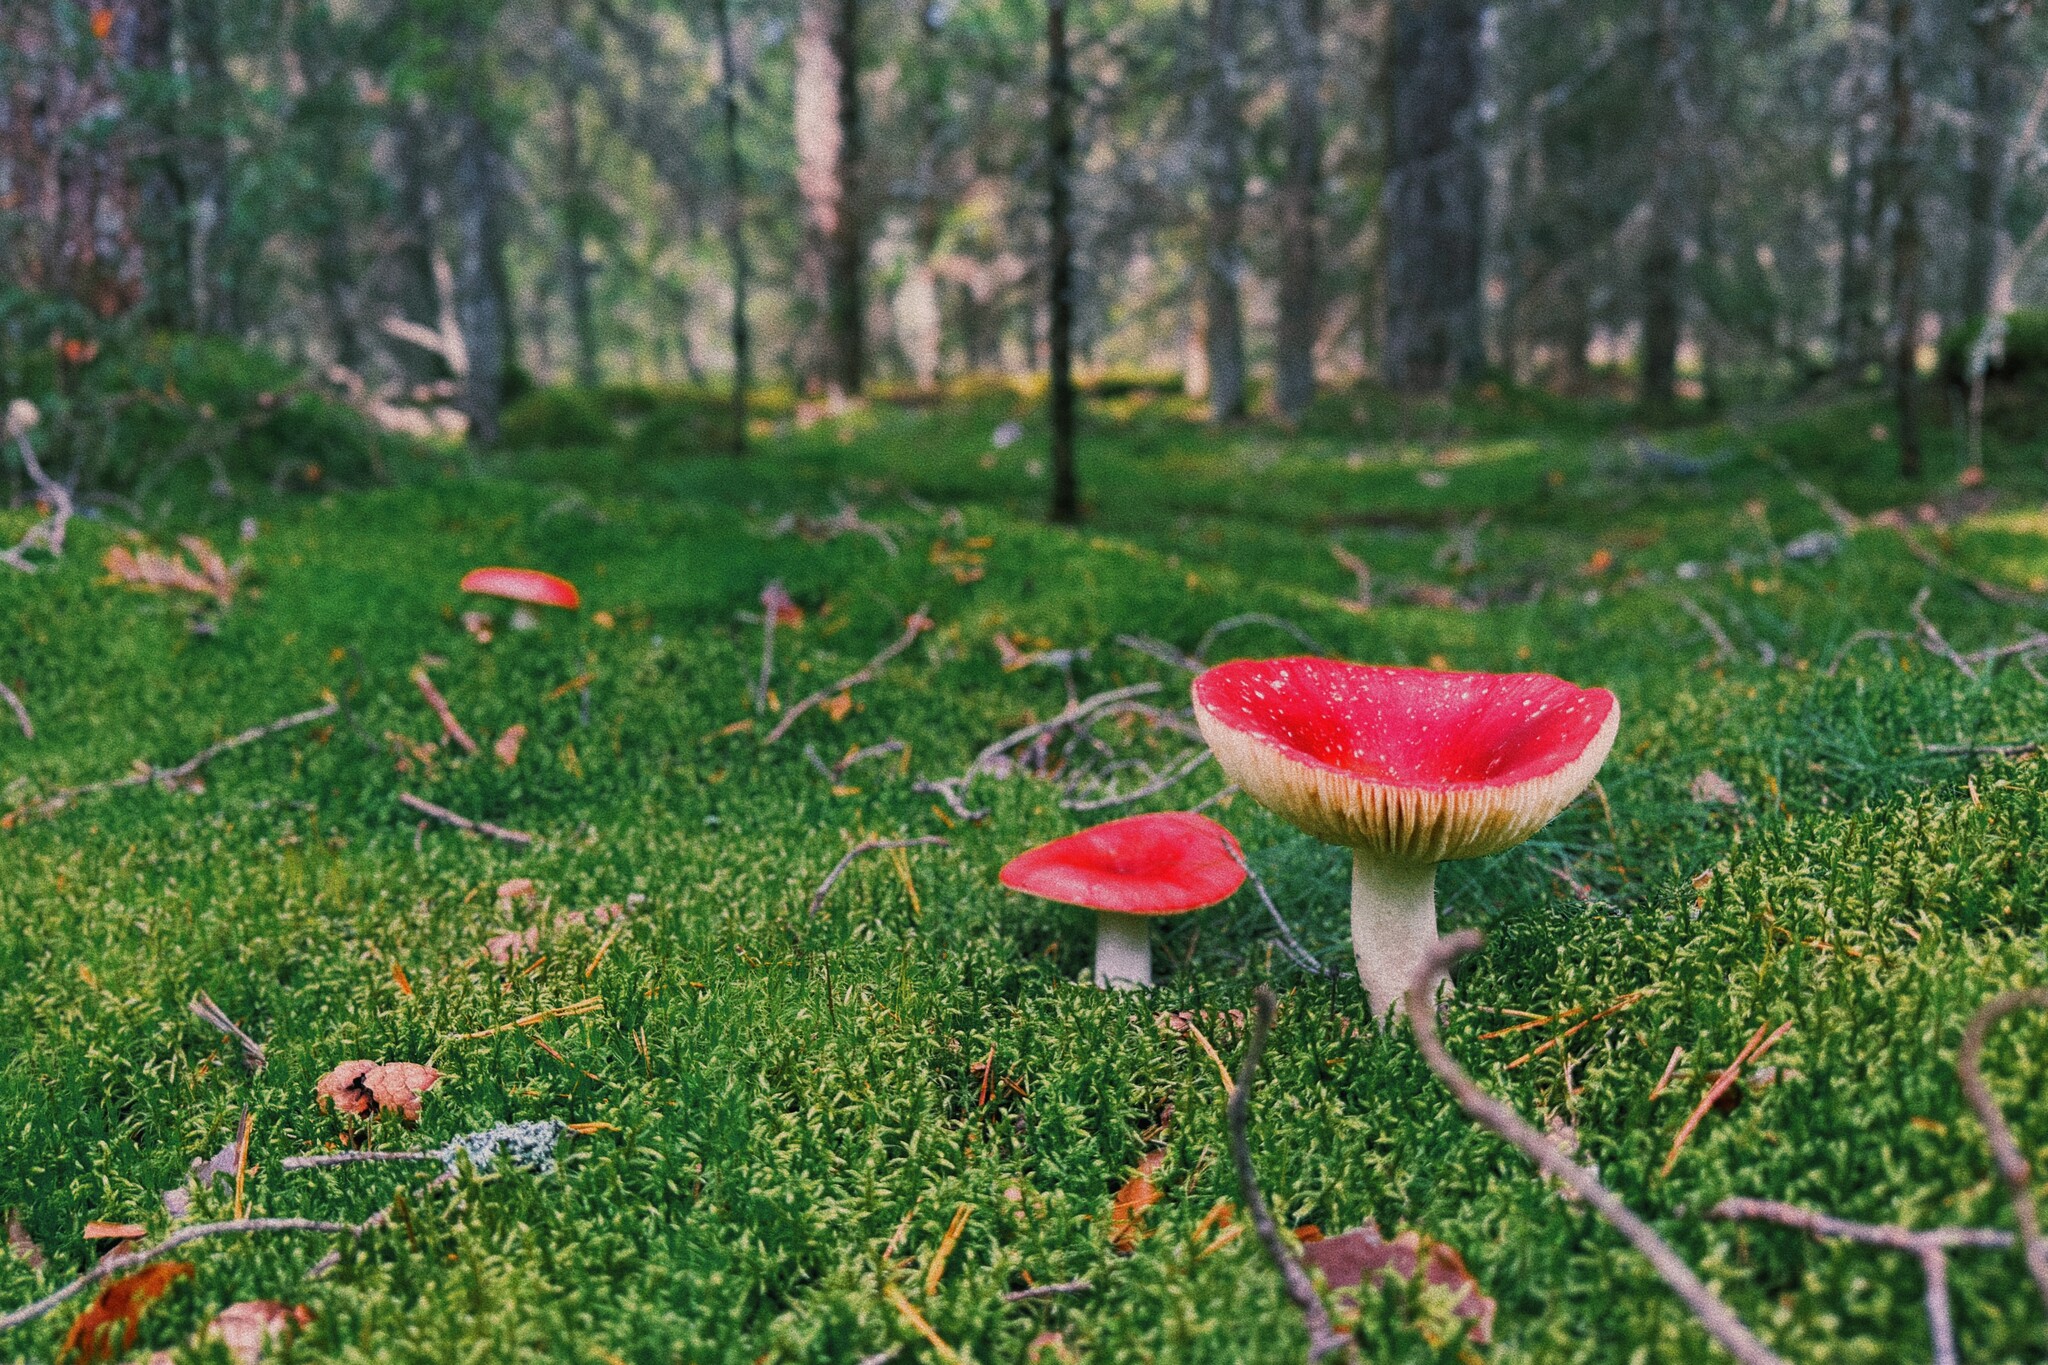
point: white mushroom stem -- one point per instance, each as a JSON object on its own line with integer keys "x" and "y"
{"x": 1123, "y": 951}
{"x": 1393, "y": 925}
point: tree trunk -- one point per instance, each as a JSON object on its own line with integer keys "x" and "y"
{"x": 206, "y": 173}
{"x": 1858, "y": 207}
{"x": 168, "y": 303}
{"x": 1223, "y": 182}
{"x": 1664, "y": 246}
{"x": 734, "y": 222}
{"x": 1294, "y": 378}
{"x": 417, "y": 168}
{"x": 1991, "y": 104}
{"x": 1435, "y": 195}
{"x": 481, "y": 308}
{"x": 828, "y": 146}
{"x": 1906, "y": 240}
{"x": 1059, "y": 123}
{"x": 575, "y": 203}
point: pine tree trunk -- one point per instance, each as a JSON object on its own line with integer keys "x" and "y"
{"x": 1663, "y": 279}
{"x": 1223, "y": 181}
{"x": 481, "y": 307}
{"x": 416, "y": 165}
{"x": 1059, "y": 89}
{"x": 1991, "y": 90}
{"x": 1294, "y": 379}
{"x": 828, "y": 134}
{"x": 1435, "y": 195}
{"x": 1906, "y": 240}
{"x": 166, "y": 268}
{"x": 1854, "y": 281}
{"x": 575, "y": 191}
{"x": 734, "y": 221}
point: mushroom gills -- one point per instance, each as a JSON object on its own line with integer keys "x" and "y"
{"x": 1393, "y": 925}
{"x": 1123, "y": 951}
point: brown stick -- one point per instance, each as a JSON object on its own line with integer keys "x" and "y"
{"x": 28, "y": 727}
{"x": 869, "y": 846}
{"x": 1718, "y": 1319}
{"x": 1047, "y": 1291}
{"x": 58, "y": 800}
{"x": 452, "y": 726}
{"x": 914, "y": 625}
{"x": 1322, "y": 1337}
{"x": 463, "y": 822}
{"x": 49, "y": 532}
{"x": 121, "y": 1264}
{"x": 2005, "y": 1151}
{"x": 1153, "y": 788}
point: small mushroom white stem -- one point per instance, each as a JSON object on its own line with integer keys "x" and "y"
{"x": 1393, "y": 925}
{"x": 1123, "y": 951}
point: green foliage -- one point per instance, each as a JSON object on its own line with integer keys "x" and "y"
{"x": 2025, "y": 358}
{"x": 785, "y": 1093}
{"x": 558, "y": 417}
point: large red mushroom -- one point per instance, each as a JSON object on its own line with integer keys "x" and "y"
{"x": 1407, "y": 767}
{"x": 1129, "y": 871}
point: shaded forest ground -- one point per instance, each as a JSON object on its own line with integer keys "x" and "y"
{"x": 789, "y": 1111}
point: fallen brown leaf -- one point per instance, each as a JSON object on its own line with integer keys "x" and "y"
{"x": 97, "y": 1231}
{"x": 153, "y": 571}
{"x": 344, "y": 1088}
{"x": 507, "y": 745}
{"x": 1353, "y": 1259}
{"x": 399, "y": 1085}
{"x": 838, "y": 707}
{"x": 117, "y": 1312}
{"x": 20, "y": 1244}
{"x": 1712, "y": 789}
{"x": 1127, "y": 1209}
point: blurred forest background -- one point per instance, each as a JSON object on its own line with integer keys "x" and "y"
{"x": 433, "y": 207}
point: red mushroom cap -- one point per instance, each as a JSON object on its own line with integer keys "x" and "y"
{"x": 1163, "y": 864}
{"x": 1414, "y": 764}
{"x": 523, "y": 585}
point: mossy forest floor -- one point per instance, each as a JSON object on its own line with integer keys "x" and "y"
{"x": 783, "y": 1115}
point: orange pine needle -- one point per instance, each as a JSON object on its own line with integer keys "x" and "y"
{"x": 937, "y": 1271}
{"x": 1718, "y": 1089}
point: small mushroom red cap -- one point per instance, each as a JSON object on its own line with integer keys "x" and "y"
{"x": 1162, "y": 864}
{"x": 523, "y": 585}
{"x": 1413, "y": 765}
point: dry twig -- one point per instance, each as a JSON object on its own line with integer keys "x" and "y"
{"x": 1724, "y": 648}
{"x": 1931, "y": 1247}
{"x": 2005, "y": 1151}
{"x": 1254, "y": 618}
{"x": 21, "y": 717}
{"x": 914, "y": 625}
{"x": 47, "y": 534}
{"x": 1757, "y": 1045}
{"x": 869, "y": 846}
{"x": 1322, "y": 1337}
{"x": 1047, "y": 1291}
{"x": 1289, "y": 944}
{"x": 1153, "y": 788}
{"x": 463, "y": 822}
{"x": 1501, "y": 1119}
{"x": 168, "y": 777}
{"x": 122, "y": 1263}
{"x": 253, "y": 1055}
{"x": 452, "y": 726}
{"x": 951, "y": 789}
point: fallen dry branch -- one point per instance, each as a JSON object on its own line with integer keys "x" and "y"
{"x": 846, "y": 521}
{"x": 449, "y": 724}
{"x": 318, "y": 1159}
{"x": 21, "y": 716}
{"x": 1157, "y": 785}
{"x": 1724, "y": 648}
{"x": 869, "y": 846}
{"x": 2005, "y": 1151}
{"x": 47, "y": 534}
{"x": 1322, "y": 1337}
{"x": 463, "y": 822}
{"x": 1160, "y": 650}
{"x": 952, "y": 789}
{"x": 1502, "y": 1120}
{"x": 168, "y": 777}
{"x": 1931, "y": 1246}
{"x": 1254, "y": 618}
{"x": 122, "y": 1263}
{"x": 253, "y": 1055}
{"x": 1289, "y": 944}
{"x": 2018, "y": 750}
{"x": 1048, "y": 1291}
{"x": 914, "y": 625}
{"x": 863, "y": 754}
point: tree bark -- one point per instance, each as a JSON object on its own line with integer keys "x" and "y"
{"x": 1294, "y": 378}
{"x": 1223, "y": 230}
{"x": 1435, "y": 195}
{"x": 1991, "y": 107}
{"x": 575, "y": 203}
{"x": 1059, "y": 123}
{"x": 481, "y": 307}
{"x": 1906, "y": 239}
{"x": 166, "y": 265}
{"x": 1663, "y": 278}
{"x": 734, "y": 222}
{"x": 417, "y": 168}
{"x": 828, "y": 145}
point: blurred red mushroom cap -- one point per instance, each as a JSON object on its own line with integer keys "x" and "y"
{"x": 523, "y": 585}
{"x": 1162, "y": 864}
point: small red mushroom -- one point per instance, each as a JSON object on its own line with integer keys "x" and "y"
{"x": 1407, "y": 767}
{"x": 1128, "y": 871}
{"x": 523, "y": 585}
